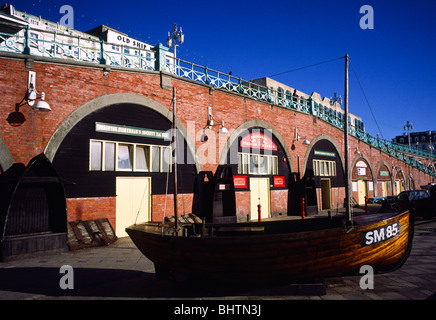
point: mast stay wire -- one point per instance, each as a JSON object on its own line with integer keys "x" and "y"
{"x": 305, "y": 67}
{"x": 367, "y": 102}
{"x": 355, "y": 74}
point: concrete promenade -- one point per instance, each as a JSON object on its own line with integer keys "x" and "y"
{"x": 120, "y": 271}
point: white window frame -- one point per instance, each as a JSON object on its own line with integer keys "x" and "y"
{"x": 135, "y": 167}
{"x": 324, "y": 168}
{"x": 245, "y": 168}
{"x": 133, "y": 147}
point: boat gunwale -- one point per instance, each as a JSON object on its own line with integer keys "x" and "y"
{"x": 332, "y": 250}
{"x": 390, "y": 217}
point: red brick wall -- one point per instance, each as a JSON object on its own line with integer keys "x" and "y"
{"x": 160, "y": 210}
{"x": 68, "y": 87}
{"x": 243, "y": 206}
{"x": 279, "y": 202}
{"x": 92, "y": 208}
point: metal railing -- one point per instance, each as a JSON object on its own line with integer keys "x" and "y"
{"x": 90, "y": 50}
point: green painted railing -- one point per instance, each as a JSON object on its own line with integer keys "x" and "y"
{"x": 77, "y": 49}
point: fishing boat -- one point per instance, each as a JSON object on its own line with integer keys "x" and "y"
{"x": 280, "y": 250}
{"x": 284, "y": 250}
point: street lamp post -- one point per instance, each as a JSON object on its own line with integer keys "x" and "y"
{"x": 408, "y": 126}
{"x": 174, "y": 37}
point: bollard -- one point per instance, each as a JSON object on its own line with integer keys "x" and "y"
{"x": 366, "y": 204}
{"x": 259, "y": 212}
{"x": 302, "y": 209}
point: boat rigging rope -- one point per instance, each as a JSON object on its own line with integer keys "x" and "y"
{"x": 355, "y": 73}
{"x": 367, "y": 102}
{"x": 142, "y": 199}
{"x": 165, "y": 206}
{"x": 166, "y": 193}
{"x": 305, "y": 67}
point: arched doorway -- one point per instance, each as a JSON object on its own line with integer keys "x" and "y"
{"x": 384, "y": 180}
{"x": 262, "y": 170}
{"x": 399, "y": 181}
{"x": 323, "y": 178}
{"x": 116, "y": 160}
{"x": 362, "y": 180}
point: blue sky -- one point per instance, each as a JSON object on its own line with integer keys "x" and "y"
{"x": 395, "y": 61}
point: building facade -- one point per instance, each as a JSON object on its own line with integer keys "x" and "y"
{"x": 423, "y": 140}
{"x": 108, "y": 138}
{"x": 98, "y": 45}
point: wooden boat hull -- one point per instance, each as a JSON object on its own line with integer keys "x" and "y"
{"x": 283, "y": 254}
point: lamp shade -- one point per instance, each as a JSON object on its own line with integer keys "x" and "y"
{"x": 223, "y": 130}
{"x": 42, "y": 106}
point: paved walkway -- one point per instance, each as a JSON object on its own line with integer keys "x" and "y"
{"x": 120, "y": 271}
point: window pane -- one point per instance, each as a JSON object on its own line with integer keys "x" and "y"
{"x": 270, "y": 165}
{"x": 109, "y": 156}
{"x": 253, "y": 164}
{"x": 96, "y": 147}
{"x": 166, "y": 159}
{"x": 124, "y": 157}
{"x": 142, "y": 158}
{"x": 240, "y": 168}
{"x": 245, "y": 163}
{"x": 155, "y": 159}
{"x": 274, "y": 166}
{"x": 263, "y": 165}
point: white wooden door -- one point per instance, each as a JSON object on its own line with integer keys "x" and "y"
{"x": 384, "y": 189}
{"x": 133, "y": 202}
{"x": 259, "y": 194}
{"x": 398, "y": 186}
{"x": 361, "y": 191}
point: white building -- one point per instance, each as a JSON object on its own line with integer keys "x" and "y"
{"x": 282, "y": 92}
{"x": 99, "y": 45}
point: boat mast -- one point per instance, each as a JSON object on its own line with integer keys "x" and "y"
{"x": 347, "y": 169}
{"x": 176, "y": 223}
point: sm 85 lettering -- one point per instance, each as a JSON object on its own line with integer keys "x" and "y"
{"x": 380, "y": 234}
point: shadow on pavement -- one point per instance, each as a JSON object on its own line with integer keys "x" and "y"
{"x": 116, "y": 283}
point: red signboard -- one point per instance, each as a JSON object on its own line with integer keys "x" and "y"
{"x": 240, "y": 181}
{"x": 258, "y": 141}
{"x": 279, "y": 181}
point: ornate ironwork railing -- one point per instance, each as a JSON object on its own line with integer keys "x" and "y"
{"x": 94, "y": 50}
{"x": 221, "y": 80}
{"x": 64, "y": 46}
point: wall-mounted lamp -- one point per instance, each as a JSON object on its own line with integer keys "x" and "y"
{"x": 210, "y": 122}
{"x": 296, "y": 137}
{"x": 32, "y": 95}
{"x": 16, "y": 118}
{"x": 357, "y": 152}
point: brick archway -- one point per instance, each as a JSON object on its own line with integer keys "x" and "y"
{"x": 6, "y": 158}
{"x": 314, "y": 141}
{"x": 107, "y": 100}
{"x": 250, "y": 124}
